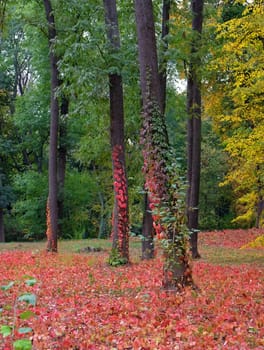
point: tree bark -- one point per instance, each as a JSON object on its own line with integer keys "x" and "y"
{"x": 62, "y": 156}
{"x": 147, "y": 227}
{"x": 148, "y": 69}
{"x": 2, "y": 229}
{"x": 177, "y": 271}
{"x": 120, "y": 219}
{"x": 260, "y": 209}
{"x": 260, "y": 199}
{"x": 2, "y": 14}
{"x": 148, "y": 59}
{"x": 147, "y": 231}
{"x": 52, "y": 203}
{"x": 194, "y": 126}
{"x": 163, "y": 61}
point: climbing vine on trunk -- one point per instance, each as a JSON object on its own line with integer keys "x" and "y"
{"x": 161, "y": 182}
{"x": 120, "y": 233}
{"x": 120, "y": 219}
{"x": 166, "y": 196}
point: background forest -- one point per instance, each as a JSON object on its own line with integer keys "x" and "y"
{"x": 231, "y": 71}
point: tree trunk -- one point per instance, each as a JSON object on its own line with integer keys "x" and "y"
{"x": 260, "y": 201}
{"x": 147, "y": 232}
{"x": 177, "y": 271}
{"x": 163, "y": 61}
{"x": 260, "y": 209}
{"x": 148, "y": 60}
{"x": 194, "y": 126}
{"x": 62, "y": 155}
{"x": 120, "y": 220}
{"x": 2, "y": 14}
{"x": 146, "y": 38}
{"x": 147, "y": 227}
{"x": 2, "y": 229}
{"x": 52, "y": 203}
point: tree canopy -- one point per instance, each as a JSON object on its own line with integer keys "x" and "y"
{"x": 230, "y": 69}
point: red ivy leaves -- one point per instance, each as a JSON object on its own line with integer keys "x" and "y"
{"x": 82, "y": 303}
{"x": 121, "y": 196}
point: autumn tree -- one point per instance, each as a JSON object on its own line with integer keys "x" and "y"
{"x": 236, "y": 103}
{"x": 167, "y": 219}
{"x": 52, "y": 202}
{"x": 120, "y": 222}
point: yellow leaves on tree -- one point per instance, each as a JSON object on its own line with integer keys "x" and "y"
{"x": 238, "y": 108}
{"x": 257, "y": 243}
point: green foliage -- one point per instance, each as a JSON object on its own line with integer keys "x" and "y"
{"x": 82, "y": 207}
{"x": 22, "y": 344}
{"x": 26, "y": 315}
{"x": 30, "y": 281}
{"x": 31, "y": 120}
{"x": 233, "y": 86}
{"x": 5, "y": 330}
{"x": 232, "y": 9}
{"x": 173, "y": 219}
{"x": 215, "y": 207}
{"x": 30, "y": 208}
{"x": 115, "y": 259}
{"x": 6, "y": 193}
{"x": 28, "y": 298}
{"x": 176, "y": 121}
{"x": 8, "y": 286}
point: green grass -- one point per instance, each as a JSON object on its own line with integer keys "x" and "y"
{"x": 65, "y": 246}
{"x": 73, "y": 246}
{"x": 232, "y": 256}
{"x": 210, "y": 254}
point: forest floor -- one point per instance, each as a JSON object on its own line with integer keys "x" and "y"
{"x": 74, "y": 300}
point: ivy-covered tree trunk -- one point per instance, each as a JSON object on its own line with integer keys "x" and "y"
{"x": 147, "y": 227}
{"x": 147, "y": 231}
{"x": 52, "y": 202}
{"x": 120, "y": 219}
{"x": 2, "y": 228}
{"x": 194, "y": 126}
{"x": 167, "y": 220}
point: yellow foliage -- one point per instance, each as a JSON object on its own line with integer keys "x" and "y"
{"x": 246, "y": 206}
{"x": 235, "y": 101}
{"x": 257, "y": 243}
